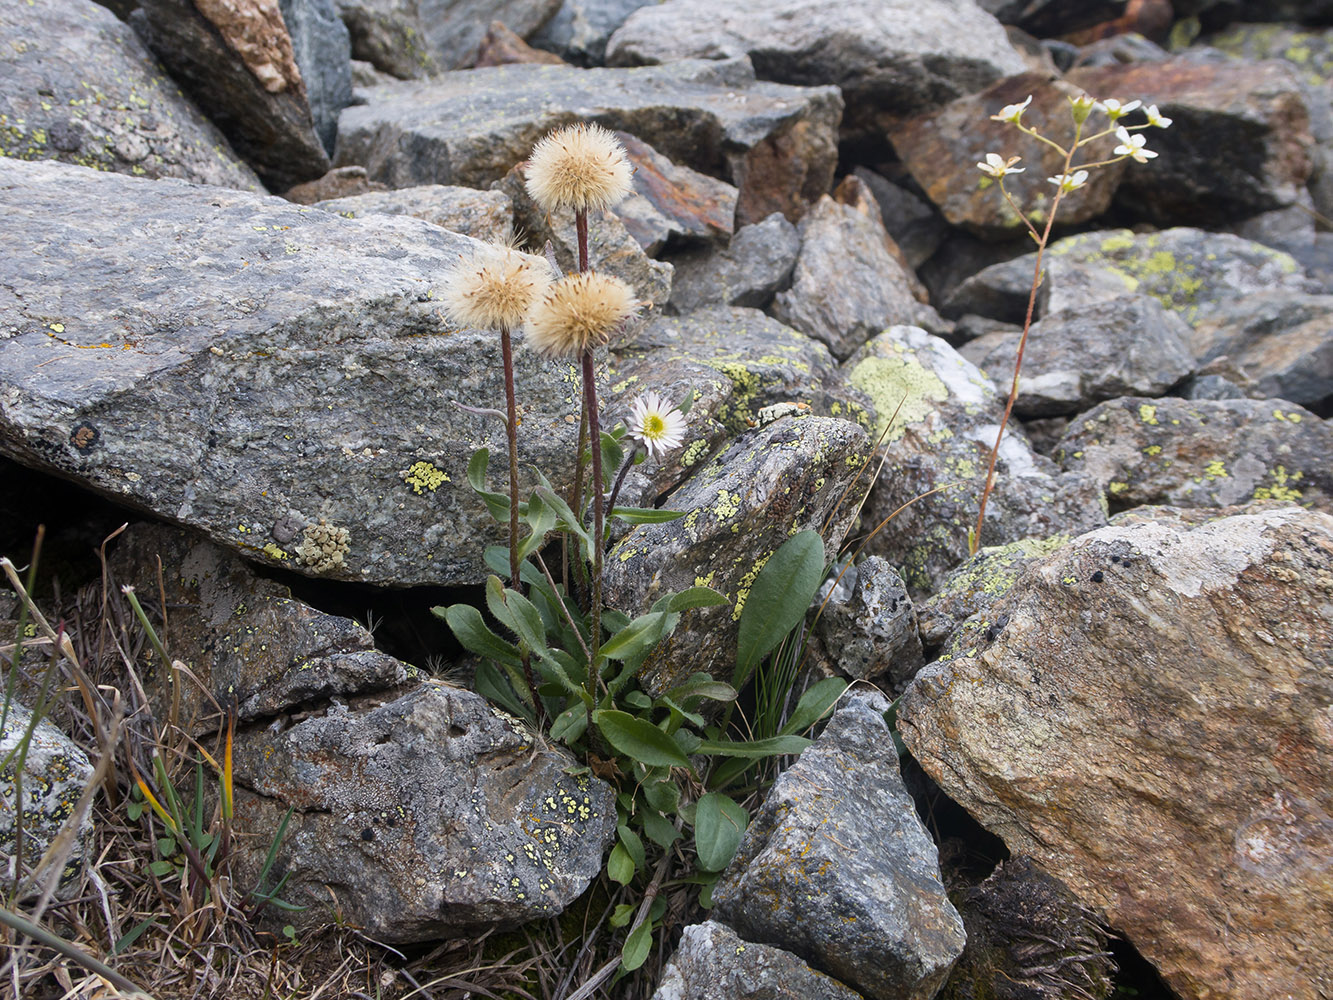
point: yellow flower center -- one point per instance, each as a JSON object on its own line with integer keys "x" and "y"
{"x": 653, "y": 426}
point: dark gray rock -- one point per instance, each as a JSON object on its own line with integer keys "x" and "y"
{"x": 910, "y": 222}
{"x": 777, "y": 144}
{"x": 713, "y": 963}
{"x": 749, "y": 272}
{"x": 1290, "y": 229}
{"x": 611, "y": 248}
{"x": 1078, "y": 357}
{"x": 418, "y": 38}
{"x": 837, "y": 867}
{"x": 1189, "y": 271}
{"x": 868, "y": 628}
{"x": 237, "y": 363}
{"x": 847, "y": 286}
{"x": 323, "y": 52}
{"x": 671, "y": 203}
{"x": 938, "y": 446}
{"x": 239, "y": 67}
{"x": 427, "y": 816}
{"x": 890, "y": 57}
{"x": 1211, "y": 387}
{"x": 1202, "y": 453}
{"x": 1045, "y": 18}
{"x": 55, "y": 772}
{"x": 768, "y": 484}
{"x": 483, "y": 215}
{"x": 77, "y": 85}
{"x": 248, "y": 644}
{"x": 1282, "y": 341}
{"x": 579, "y": 30}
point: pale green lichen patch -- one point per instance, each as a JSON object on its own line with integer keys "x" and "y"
{"x": 889, "y": 381}
{"x": 1281, "y": 485}
{"x": 424, "y": 477}
{"x": 323, "y": 546}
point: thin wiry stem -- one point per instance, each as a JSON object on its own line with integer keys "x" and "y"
{"x": 598, "y": 514}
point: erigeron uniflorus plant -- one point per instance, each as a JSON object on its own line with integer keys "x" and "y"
{"x": 1072, "y": 176}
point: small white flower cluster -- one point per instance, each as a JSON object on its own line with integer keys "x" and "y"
{"x": 1131, "y": 146}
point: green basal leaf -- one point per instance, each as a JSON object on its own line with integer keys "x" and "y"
{"x": 646, "y": 515}
{"x": 622, "y": 914}
{"x": 701, "y": 685}
{"x": 719, "y": 824}
{"x": 493, "y": 686}
{"x": 639, "y": 740}
{"x": 496, "y": 503}
{"x": 814, "y": 704}
{"x": 570, "y": 724}
{"x": 565, "y": 519}
{"x": 639, "y": 637}
{"x": 613, "y": 621}
{"x": 612, "y": 456}
{"x": 516, "y": 613}
{"x": 541, "y": 519}
{"x": 693, "y": 718}
{"x": 620, "y": 866}
{"x": 664, "y": 796}
{"x": 660, "y": 830}
{"x": 637, "y": 699}
{"x": 779, "y": 599}
{"x": 470, "y": 629}
{"x": 774, "y": 747}
{"x": 687, "y": 741}
{"x": 161, "y": 868}
{"x": 637, "y": 947}
{"x": 633, "y": 845}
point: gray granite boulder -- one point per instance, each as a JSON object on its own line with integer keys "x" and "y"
{"x": 418, "y": 38}
{"x": 768, "y": 484}
{"x": 777, "y": 144}
{"x": 429, "y": 815}
{"x": 483, "y": 215}
{"x": 713, "y": 963}
{"x": 79, "y": 86}
{"x": 671, "y": 203}
{"x": 237, "y": 63}
{"x": 867, "y": 629}
{"x": 847, "y": 285}
{"x": 942, "y": 416}
{"x": 911, "y": 222}
{"x": 323, "y": 53}
{"x": 1080, "y": 356}
{"x": 891, "y": 58}
{"x": 580, "y": 29}
{"x": 55, "y": 773}
{"x": 1150, "y": 724}
{"x": 756, "y": 264}
{"x": 837, "y": 867}
{"x": 278, "y": 377}
{"x": 1202, "y": 453}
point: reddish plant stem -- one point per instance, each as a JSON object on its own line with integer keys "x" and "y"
{"x": 595, "y": 446}
{"x": 581, "y": 230}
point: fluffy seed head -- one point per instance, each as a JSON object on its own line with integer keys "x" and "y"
{"x": 496, "y": 288}
{"x": 582, "y": 167}
{"x": 579, "y": 312}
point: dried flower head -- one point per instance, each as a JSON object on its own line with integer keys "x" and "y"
{"x": 496, "y": 288}
{"x": 657, "y": 424}
{"x": 581, "y": 167}
{"x": 579, "y": 312}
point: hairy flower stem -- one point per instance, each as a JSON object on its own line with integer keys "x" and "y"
{"x": 620, "y": 479}
{"x": 581, "y": 230}
{"x": 595, "y": 446}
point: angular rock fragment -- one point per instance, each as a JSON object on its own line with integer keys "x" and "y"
{"x": 891, "y": 58}
{"x": 867, "y": 629}
{"x": 838, "y": 869}
{"x": 483, "y": 215}
{"x": 579, "y": 30}
{"x": 323, "y": 53}
{"x": 1080, "y": 356}
{"x": 671, "y": 203}
{"x": 777, "y": 144}
{"x": 79, "y": 86}
{"x": 427, "y": 816}
{"x": 237, "y": 63}
{"x": 278, "y": 377}
{"x": 912, "y": 224}
{"x": 1202, "y": 453}
{"x": 942, "y": 417}
{"x": 247, "y": 644}
{"x": 767, "y": 485}
{"x": 501, "y": 47}
{"x": 754, "y": 266}
{"x": 1151, "y": 725}
{"x": 847, "y": 285}
{"x": 713, "y": 963}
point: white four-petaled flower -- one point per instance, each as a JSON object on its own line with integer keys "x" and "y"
{"x": 1155, "y": 117}
{"x": 1012, "y": 112}
{"x": 1132, "y": 146}
{"x": 656, "y": 423}
{"x": 1115, "y": 110}
{"x": 1069, "y": 182}
{"x": 997, "y": 167}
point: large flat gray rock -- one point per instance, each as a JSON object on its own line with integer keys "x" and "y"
{"x": 278, "y": 377}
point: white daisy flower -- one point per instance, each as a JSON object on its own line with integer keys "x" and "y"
{"x": 656, "y": 423}
{"x": 1069, "y": 182}
{"x": 997, "y": 167}
{"x": 1132, "y": 146}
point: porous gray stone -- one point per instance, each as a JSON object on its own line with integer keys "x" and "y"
{"x": 867, "y": 629}
{"x": 713, "y": 963}
{"x": 891, "y": 58}
{"x": 427, "y": 816}
{"x": 777, "y": 144}
{"x": 234, "y": 363}
{"x": 837, "y": 868}
{"x": 483, "y": 215}
{"x": 1202, "y": 453}
{"x": 323, "y": 52}
{"x": 767, "y": 485}
{"x": 1080, "y": 356}
{"x": 748, "y": 272}
{"x": 77, "y": 85}
{"x": 237, "y": 64}
{"x": 942, "y": 417}
{"x": 1150, "y": 723}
